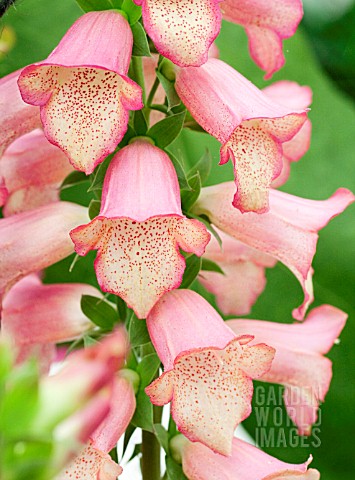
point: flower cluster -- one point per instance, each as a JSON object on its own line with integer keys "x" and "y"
{"x": 86, "y": 108}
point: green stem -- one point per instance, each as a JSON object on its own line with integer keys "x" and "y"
{"x": 160, "y": 108}
{"x": 153, "y": 92}
{"x": 137, "y": 73}
{"x": 151, "y": 451}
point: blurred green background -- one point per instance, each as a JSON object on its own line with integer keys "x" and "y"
{"x": 321, "y": 55}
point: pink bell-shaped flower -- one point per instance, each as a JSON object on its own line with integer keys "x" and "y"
{"x": 94, "y": 461}
{"x": 267, "y": 23}
{"x": 288, "y": 232}
{"x": 182, "y": 31}
{"x": 292, "y": 95}
{"x": 77, "y": 399}
{"x": 250, "y": 126}
{"x": 140, "y": 228}
{"x": 208, "y": 370}
{"x": 246, "y": 463}
{"x": 83, "y": 90}
{"x": 243, "y": 278}
{"x": 16, "y": 117}
{"x": 31, "y": 241}
{"x": 299, "y": 363}
{"x": 31, "y": 171}
{"x": 37, "y": 316}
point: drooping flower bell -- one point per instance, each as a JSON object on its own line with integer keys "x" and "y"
{"x": 292, "y": 95}
{"x": 31, "y": 171}
{"x": 16, "y": 117}
{"x": 246, "y": 463}
{"x": 140, "y": 228}
{"x": 182, "y": 31}
{"x": 267, "y": 23}
{"x": 243, "y": 278}
{"x": 94, "y": 461}
{"x": 299, "y": 363}
{"x": 250, "y": 126}
{"x": 83, "y": 90}
{"x": 37, "y": 316}
{"x": 288, "y": 232}
{"x": 76, "y": 400}
{"x": 31, "y": 241}
{"x": 208, "y": 370}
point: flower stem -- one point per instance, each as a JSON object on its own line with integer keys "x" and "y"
{"x": 151, "y": 451}
{"x": 137, "y": 73}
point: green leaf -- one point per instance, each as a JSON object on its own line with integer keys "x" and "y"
{"x": 162, "y": 436}
{"x": 121, "y": 309}
{"x": 174, "y": 470}
{"x": 140, "y": 41}
{"x": 99, "y": 312}
{"x": 147, "y": 369}
{"x": 91, "y": 5}
{"x": 94, "y": 208}
{"x": 209, "y": 266}
{"x": 99, "y": 176}
{"x": 180, "y": 172}
{"x": 140, "y": 123}
{"x": 134, "y": 12}
{"x": 89, "y": 341}
{"x": 137, "y": 332}
{"x": 203, "y": 167}
{"x": 188, "y": 198}
{"x": 73, "y": 179}
{"x": 167, "y": 130}
{"x": 171, "y": 95}
{"x": 193, "y": 266}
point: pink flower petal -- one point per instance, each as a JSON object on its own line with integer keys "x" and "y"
{"x": 298, "y": 362}
{"x": 267, "y": 23}
{"x": 32, "y": 170}
{"x": 36, "y": 313}
{"x": 288, "y": 232}
{"x": 206, "y": 382}
{"x": 208, "y": 377}
{"x": 250, "y": 125}
{"x": 243, "y": 280}
{"x": 294, "y": 96}
{"x": 31, "y": 241}
{"x": 182, "y": 31}
{"x": 140, "y": 261}
{"x": 246, "y": 462}
{"x": 140, "y": 228}
{"x": 84, "y": 94}
{"x": 17, "y": 118}
{"x": 91, "y": 464}
{"x": 122, "y": 407}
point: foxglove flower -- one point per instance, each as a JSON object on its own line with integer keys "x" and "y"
{"x": 83, "y": 90}
{"x": 31, "y": 241}
{"x": 140, "y": 228}
{"x": 31, "y": 171}
{"x": 288, "y": 232}
{"x": 299, "y": 363}
{"x": 243, "y": 278}
{"x": 94, "y": 460}
{"x": 250, "y": 126}
{"x": 182, "y": 31}
{"x": 246, "y": 463}
{"x": 292, "y": 95}
{"x": 267, "y": 23}
{"x": 208, "y": 370}
{"x": 16, "y": 117}
{"x": 37, "y": 316}
{"x": 75, "y": 401}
